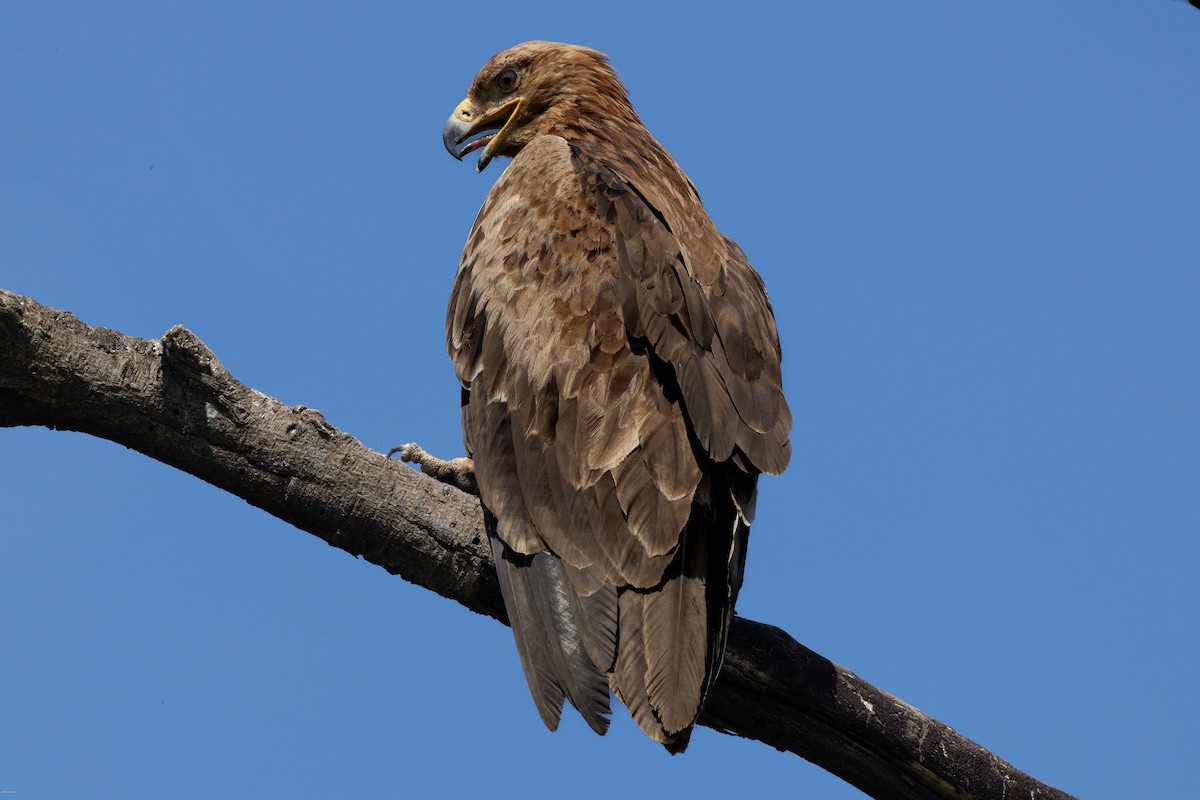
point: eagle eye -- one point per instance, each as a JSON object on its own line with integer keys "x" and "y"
{"x": 507, "y": 80}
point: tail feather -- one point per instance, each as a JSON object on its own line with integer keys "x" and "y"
{"x": 672, "y": 638}
{"x": 660, "y": 649}
{"x": 594, "y": 607}
{"x": 674, "y": 630}
{"x": 661, "y": 658}
{"x": 553, "y": 654}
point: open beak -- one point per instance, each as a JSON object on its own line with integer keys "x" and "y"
{"x": 466, "y": 122}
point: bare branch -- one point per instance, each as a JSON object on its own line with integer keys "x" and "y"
{"x": 172, "y": 400}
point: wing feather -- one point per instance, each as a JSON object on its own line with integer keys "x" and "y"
{"x": 718, "y": 340}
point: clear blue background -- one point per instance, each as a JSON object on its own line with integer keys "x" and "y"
{"x": 979, "y": 226}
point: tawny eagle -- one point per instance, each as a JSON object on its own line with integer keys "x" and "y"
{"x": 621, "y": 392}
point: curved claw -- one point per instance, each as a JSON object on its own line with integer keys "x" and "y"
{"x": 457, "y": 472}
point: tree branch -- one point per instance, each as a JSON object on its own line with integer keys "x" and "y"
{"x": 171, "y": 399}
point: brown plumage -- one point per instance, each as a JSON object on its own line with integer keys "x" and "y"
{"x": 622, "y": 392}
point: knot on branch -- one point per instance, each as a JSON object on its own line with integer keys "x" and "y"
{"x": 186, "y": 357}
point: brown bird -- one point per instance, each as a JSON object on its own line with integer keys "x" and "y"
{"x": 621, "y": 392}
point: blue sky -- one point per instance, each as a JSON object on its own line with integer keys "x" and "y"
{"x": 978, "y": 226}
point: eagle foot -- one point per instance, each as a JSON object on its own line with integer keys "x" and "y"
{"x": 458, "y": 472}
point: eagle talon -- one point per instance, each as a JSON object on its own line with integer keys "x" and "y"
{"x": 457, "y": 472}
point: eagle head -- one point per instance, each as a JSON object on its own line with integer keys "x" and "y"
{"x": 529, "y": 90}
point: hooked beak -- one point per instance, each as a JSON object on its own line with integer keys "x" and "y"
{"x": 466, "y": 121}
